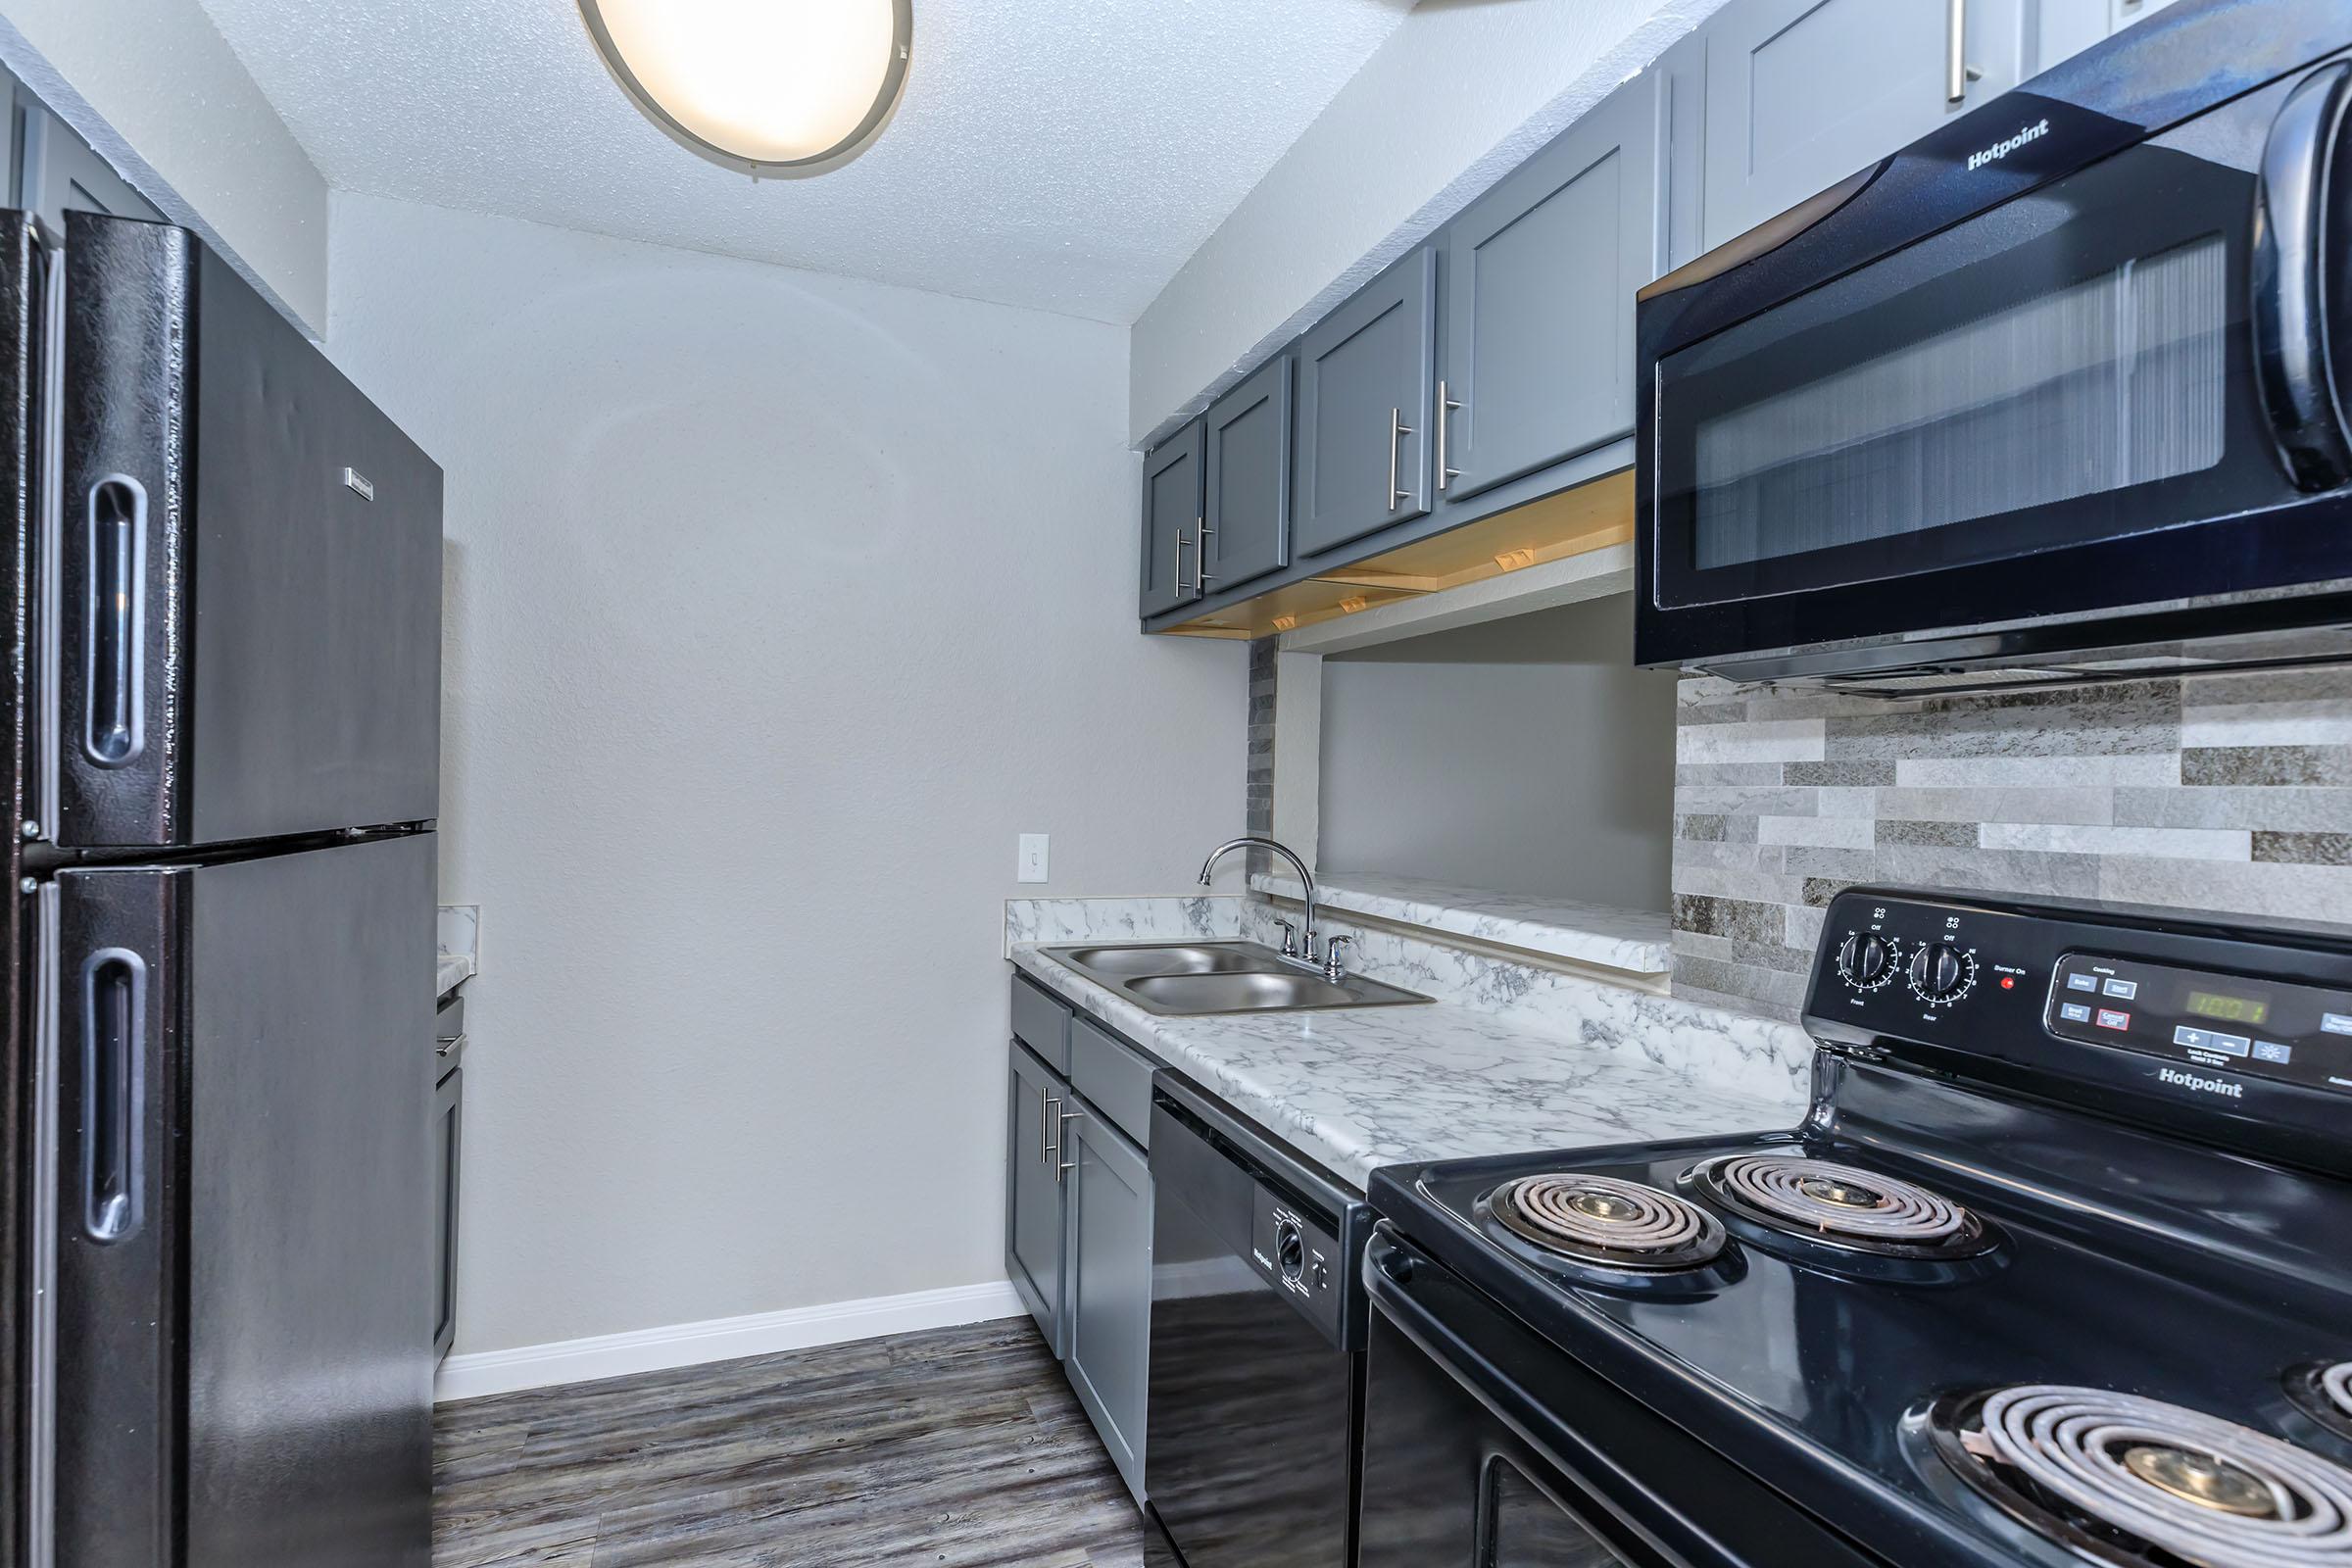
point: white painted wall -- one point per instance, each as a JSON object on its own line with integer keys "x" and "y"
{"x": 1454, "y": 99}
{"x": 777, "y": 606}
{"x": 153, "y": 86}
{"x": 1522, "y": 756}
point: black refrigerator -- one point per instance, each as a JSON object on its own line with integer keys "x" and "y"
{"x": 224, "y": 578}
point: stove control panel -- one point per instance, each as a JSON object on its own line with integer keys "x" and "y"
{"x": 2239, "y": 1032}
{"x": 2232, "y": 1023}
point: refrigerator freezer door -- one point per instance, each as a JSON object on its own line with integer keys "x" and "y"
{"x": 245, "y": 1314}
{"x": 250, "y": 583}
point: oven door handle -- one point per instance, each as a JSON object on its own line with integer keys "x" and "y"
{"x": 1411, "y": 1291}
{"x": 2302, "y": 210}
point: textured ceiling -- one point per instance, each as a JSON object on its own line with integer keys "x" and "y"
{"x": 1066, "y": 155}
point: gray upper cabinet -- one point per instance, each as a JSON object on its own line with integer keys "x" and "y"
{"x": 1110, "y": 1272}
{"x": 1246, "y": 437}
{"x": 1539, "y": 275}
{"x": 1033, "y": 1192}
{"x": 58, "y": 172}
{"x": 1366, "y": 386}
{"x": 1174, "y": 496}
{"x": 1802, "y": 93}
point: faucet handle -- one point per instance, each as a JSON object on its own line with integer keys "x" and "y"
{"x": 1331, "y": 957}
{"x": 1290, "y": 939}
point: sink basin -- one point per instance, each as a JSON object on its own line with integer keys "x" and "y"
{"x": 1239, "y": 993}
{"x": 1156, "y": 958}
{"x": 1186, "y": 978}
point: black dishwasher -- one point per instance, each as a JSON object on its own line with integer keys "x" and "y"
{"x": 1257, "y": 1335}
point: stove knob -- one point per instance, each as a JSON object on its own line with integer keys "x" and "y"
{"x": 1942, "y": 972}
{"x": 1866, "y": 961}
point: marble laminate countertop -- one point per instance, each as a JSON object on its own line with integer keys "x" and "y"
{"x": 1634, "y": 941}
{"x": 1354, "y": 1090}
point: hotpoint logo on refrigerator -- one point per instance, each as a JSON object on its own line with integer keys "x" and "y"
{"x": 2002, "y": 149}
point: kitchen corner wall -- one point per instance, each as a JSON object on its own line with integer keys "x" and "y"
{"x": 777, "y": 606}
{"x": 2227, "y": 793}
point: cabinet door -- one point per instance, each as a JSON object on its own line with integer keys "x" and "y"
{"x": 1801, "y": 93}
{"x": 1248, "y": 436}
{"x": 1173, "y": 501}
{"x": 449, "y": 1125}
{"x": 1110, "y": 1287}
{"x": 61, "y": 173}
{"x": 1366, "y": 377}
{"x": 1539, "y": 275}
{"x": 1033, "y": 1192}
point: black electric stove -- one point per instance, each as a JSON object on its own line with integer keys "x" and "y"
{"x": 2058, "y": 1269}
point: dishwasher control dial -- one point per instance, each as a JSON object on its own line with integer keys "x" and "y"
{"x": 1290, "y": 1250}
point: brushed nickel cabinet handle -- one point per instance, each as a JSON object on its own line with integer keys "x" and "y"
{"x": 1045, "y": 1101}
{"x": 1397, "y": 431}
{"x": 1956, "y": 43}
{"x": 1444, "y": 405}
{"x": 1060, "y": 1149}
{"x": 1204, "y": 533}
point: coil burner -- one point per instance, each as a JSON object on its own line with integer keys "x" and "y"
{"x": 1599, "y": 1220}
{"x": 2124, "y": 1480}
{"x": 1842, "y": 1205}
{"x": 2323, "y": 1393}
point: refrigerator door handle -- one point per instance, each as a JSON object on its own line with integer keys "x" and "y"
{"x": 113, "y": 661}
{"x": 113, "y": 1092}
{"x": 49, "y": 542}
{"x": 40, "y": 1470}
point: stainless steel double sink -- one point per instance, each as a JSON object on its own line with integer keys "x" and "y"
{"x": 1184, "y": 979}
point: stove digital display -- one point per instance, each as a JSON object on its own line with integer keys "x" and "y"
{"x": 2213, "y": 1022}
{"x": 2236, "y": 1009}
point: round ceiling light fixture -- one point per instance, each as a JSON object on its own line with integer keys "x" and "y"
{"x": 763, "y": 87}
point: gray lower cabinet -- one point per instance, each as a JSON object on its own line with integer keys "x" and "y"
{"x": 1110, "y": 1270}
{"x": 1078, "y": 1223}
{"x": 449, "y": 1128}
{"x": 1247, "y": 440}
{"x": 449, "y": 1149}
{"x": 1174, "y": 498}
{"x": 1034, "y": 1191}
{"x": 1366, "y": 384}
{"x": 1538, "y": 279}
{"x": 1802, "y": 93}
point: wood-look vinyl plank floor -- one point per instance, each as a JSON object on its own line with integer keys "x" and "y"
{"x": 960, "y": 1449}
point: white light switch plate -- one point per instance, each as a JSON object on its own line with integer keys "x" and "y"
{"x": 1033, "y": 857}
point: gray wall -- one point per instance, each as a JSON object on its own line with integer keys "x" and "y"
{"x": 1522, "y": 756}
{"x": 2219, "y": 793}
{"x": 778, "y": 606}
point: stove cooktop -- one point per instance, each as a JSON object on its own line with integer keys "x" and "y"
{"x": 1962, "y": 1323}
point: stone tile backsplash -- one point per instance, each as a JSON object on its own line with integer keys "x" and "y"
{"x": 2224, "y": 792}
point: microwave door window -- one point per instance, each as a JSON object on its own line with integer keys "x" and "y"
{"x": 2105, "y": 384}
{"x": 2063, "y": 369}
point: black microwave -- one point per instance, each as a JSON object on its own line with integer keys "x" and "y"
{"x": 2074, "y": 373}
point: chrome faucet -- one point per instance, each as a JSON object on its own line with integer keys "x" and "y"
{"x": 1306, "y": 881}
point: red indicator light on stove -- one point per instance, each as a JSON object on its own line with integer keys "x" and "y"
{"x": 2008, "y": 982}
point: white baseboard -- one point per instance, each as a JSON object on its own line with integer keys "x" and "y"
{"x": 724, "y": 1339}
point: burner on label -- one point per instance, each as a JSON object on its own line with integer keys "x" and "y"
{"x": 1600, "y": 1219}
{"x": 2121, "y": 1479}
{"x": 1841, "y": 1205}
